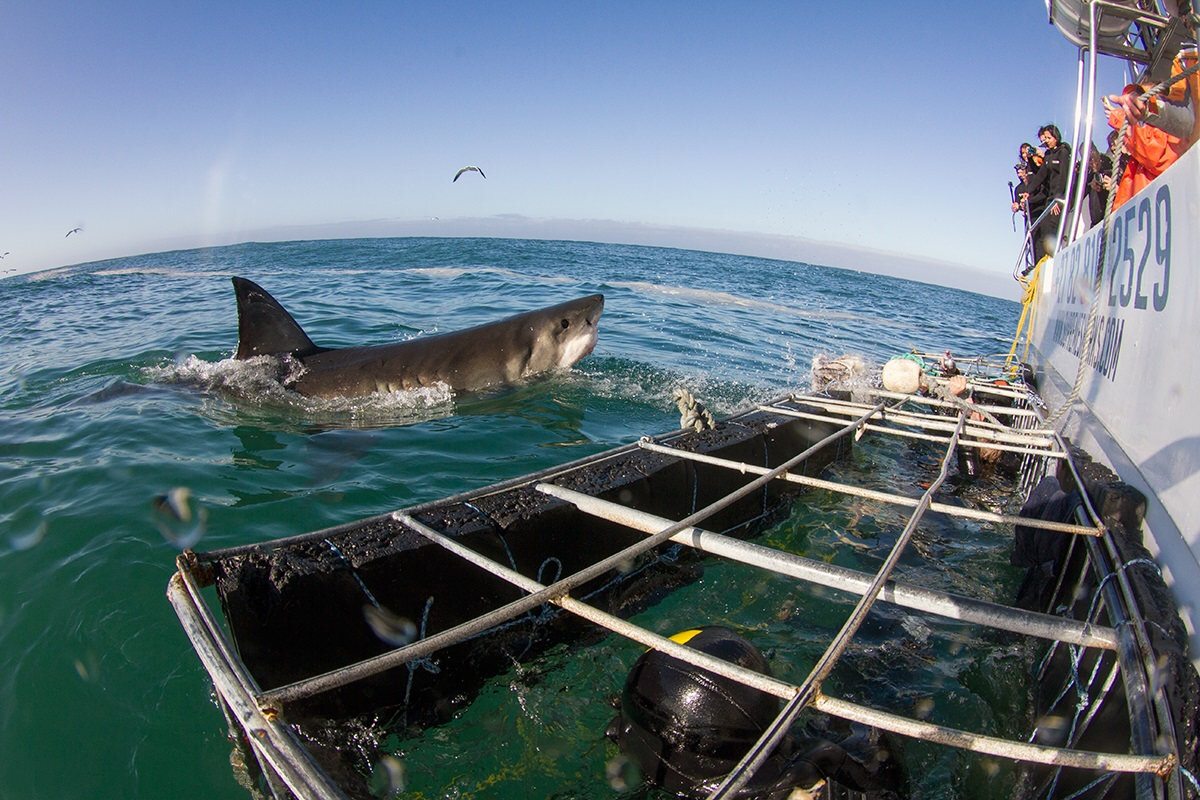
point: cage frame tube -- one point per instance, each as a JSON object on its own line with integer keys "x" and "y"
{"x": 987, "y": 745}
{"x": 272, "y": 741}
{"x": 873, "y": 494}
{"x": 942, "y": 604}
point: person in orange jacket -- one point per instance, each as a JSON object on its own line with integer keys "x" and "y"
{"x": 1151, "y": 150}
{"x": 1161, "y": 128}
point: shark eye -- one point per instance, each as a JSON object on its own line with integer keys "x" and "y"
{"x": 566, "y": 323}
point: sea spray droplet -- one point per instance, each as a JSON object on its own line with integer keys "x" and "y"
{"x": 1053, "y": 723}
{"x": 30, "y": 540}
{"x": 387, "y": 778}
{"x": 623, "y": 774}
{"x": 88, "y": 667}
{"x": 176, "y": 520}
{"x": 391, "y": 628}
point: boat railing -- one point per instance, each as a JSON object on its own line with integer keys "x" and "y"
{"x": 1147, "y": 42}
{"x": 1144, "y": 39}
{"x": 940, "y": 419}
{"x": 1025, "y": 258}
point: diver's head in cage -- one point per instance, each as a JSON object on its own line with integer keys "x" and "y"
{"x": 687, "y": 728}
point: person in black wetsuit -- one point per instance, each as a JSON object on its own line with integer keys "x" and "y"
{"x": 1049, "y": 182}
{"x": 1099, "y": 182}
{"x": 1030, "y": 157}
{"x": 1020, "y": 192}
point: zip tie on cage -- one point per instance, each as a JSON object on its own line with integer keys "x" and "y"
{"x": 549, "y": 609}
{"x": 1191, "y": 778}
{"x": 1110, "y": 777}
{"x": 424, "y": 662}
{"x": 1143, "y": 562}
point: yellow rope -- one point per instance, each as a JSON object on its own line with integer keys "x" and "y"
{"x": 1025, "y": 324}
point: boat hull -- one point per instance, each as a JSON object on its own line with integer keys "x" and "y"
{"x": 1135, "y": 380}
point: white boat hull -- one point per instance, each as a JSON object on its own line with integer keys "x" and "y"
{"x": 1139, "y": 379}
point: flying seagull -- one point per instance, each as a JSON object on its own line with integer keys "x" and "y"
{"x": 467, "y": 169}
{"x": 73, "y": 230}
{"x": 5, "y": 253}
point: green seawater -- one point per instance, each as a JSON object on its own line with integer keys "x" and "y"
{"x": 117, "y": 386}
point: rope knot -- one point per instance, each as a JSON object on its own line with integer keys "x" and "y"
{"x": 691, "y": 413}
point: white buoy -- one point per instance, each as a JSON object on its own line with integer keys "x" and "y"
{"x": 902, "y": 375}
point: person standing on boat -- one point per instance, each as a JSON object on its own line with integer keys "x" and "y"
{"x": 1177, "y": 110}
{"x": 1171, "y": 126}
{"x": 1099, "y": 181}
{"x": 1020, "y": 204}
{"x": 1050, "y": 181}
{"x": 1151, "y": 150}
{"x": 1030, "y": 156}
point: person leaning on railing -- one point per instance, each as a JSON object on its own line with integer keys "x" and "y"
{"x": 1161, "y": 127}
{"x": 1049, "y": 182}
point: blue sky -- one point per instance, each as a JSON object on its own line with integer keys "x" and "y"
{"x": 891, "y": 126}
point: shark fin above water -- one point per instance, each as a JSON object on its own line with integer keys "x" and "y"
{"x": 265, "y": 327}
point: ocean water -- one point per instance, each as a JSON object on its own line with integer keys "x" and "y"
{"x": 117, "y": 386}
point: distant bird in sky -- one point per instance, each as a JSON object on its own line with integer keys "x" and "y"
{"x": 73, "y": 230}
{"x": 5, "y": 253}
{"x": 467, "y": 169}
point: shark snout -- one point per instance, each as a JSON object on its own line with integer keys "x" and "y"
{"x": 596, "y": 309}
{"x": 580, "y": 328}
{"x": 593, "y": 322}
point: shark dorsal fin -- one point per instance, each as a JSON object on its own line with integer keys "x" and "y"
{"x": 265, "y": 327}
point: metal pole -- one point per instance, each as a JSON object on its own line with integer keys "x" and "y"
{"x": 871, "y": 494}
{"x": 272, "y": 741}
{"x": 992, "y": 433}
{"x": 927, "y": 437}
{"x": 1004, "y": 748}
{"x": 944, "y": 604}
{"x": 811, "y": 686}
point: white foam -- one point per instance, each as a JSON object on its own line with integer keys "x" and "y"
{"x": 703, "y": 297}
{"x": 455, "y": 272}
{"x": 170, "y": 272}
{"x": 261, "y": 380}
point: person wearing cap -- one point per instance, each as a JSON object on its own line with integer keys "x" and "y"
{"x": 1021, "y": 190}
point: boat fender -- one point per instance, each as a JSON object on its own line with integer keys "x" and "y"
{"x": 902, "y": 375}
{"x": 686, "y": 727}
{"x": 1043, "y": 552}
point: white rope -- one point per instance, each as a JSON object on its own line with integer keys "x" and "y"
{"x": 691, "y": 413}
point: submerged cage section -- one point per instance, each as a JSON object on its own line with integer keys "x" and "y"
{"x": 401, "y": 618}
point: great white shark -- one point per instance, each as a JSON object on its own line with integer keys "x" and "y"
{"x": 492, "y": 354}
